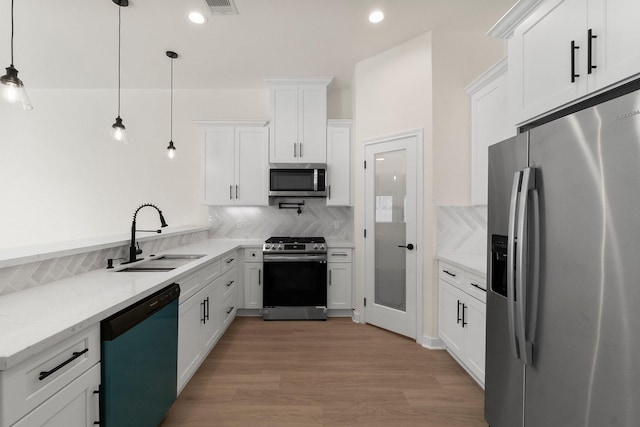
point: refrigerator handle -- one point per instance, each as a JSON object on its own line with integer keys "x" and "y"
{"x": 528, "y": 183}
{"x": 511, "y": 244}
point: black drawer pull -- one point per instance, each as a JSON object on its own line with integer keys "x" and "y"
{"x": 231, "y": 309}
{"x": 230, "y": 260}
{"x": 478, "y": 286}
{"x": 449, "y": 273}
{"x": 230, "y": 283}
{"x": 76, "y": 354}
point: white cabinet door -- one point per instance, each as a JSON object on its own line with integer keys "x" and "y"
{"x": 76, "y": 405}
{"x": 339, "y": 285}
{"x": 490, "y": 123}
{"x": 284, "y": 124}
{"x": 210, "y": 325}
{"x": 253, "y": 285}
{"x": 236, "y": 165}
{"x": 451, "y": 330}
{"x": 616, "y": 46}
{"x": 219, "y": 166}
{"x": 251, "y": 169}
{"x": 339, "y": 163}
{"x": 190, "y": 316}
{"x": 475, "y": 319}
{"x": 298, "y": 111}
{"x": 540, "y": 58}
{"x": 312, "y": 123}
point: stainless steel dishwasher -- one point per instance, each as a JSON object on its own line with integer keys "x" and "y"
{"x": 139, "y": 361}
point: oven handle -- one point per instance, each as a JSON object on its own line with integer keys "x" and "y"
{"x": 293, "y": 258}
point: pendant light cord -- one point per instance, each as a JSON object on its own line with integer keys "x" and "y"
{"x": 171, "y": 126}
{"x": 12, "y": 33}
{"x": 119, "y": 43}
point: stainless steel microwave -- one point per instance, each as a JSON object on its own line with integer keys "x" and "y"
{"x": 298, "y": 180}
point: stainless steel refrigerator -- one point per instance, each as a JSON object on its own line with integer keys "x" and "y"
{"x": 563, "y": 301}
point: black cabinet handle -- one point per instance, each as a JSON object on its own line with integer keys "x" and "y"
{"x": 230, "y": 283}
{"x": 573, "y": 61}
{"x": 259, "y": 277}
{"x": 464, "y": 322}
{"x": 207, "y": 307}
{"x": 203, "y": 319}
{"x": 458, "y": 320}
{"x": 231, "y": 309}
{"x": 475, "y": 285}
{"x": 230, "y": 260}
{"x": 75, "y": 355}
{"x": 590, "y": 38}
{"x": 449, "y": 273}
{"x": 409, "y": 246}
{"x": 231, "y": 192}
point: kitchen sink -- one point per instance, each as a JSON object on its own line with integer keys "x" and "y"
{"x": 161, "y": 263}
{"x": 141, "y": 269}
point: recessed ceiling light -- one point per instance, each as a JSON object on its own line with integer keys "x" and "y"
{"x": 197, "y": 18}
{"x": 376, "y": 16}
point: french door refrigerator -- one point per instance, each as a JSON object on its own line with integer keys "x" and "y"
{"x": 563, "y": 301}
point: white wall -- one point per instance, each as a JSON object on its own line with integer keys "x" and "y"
{"x": 64, "y": 180}
{"x": 420, "y": 84}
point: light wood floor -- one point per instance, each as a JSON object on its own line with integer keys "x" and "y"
{"x": 333, "y": 373}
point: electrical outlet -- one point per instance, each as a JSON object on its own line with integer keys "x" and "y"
{"x": 336, "y": 225}
{"x": 238, "y": 223}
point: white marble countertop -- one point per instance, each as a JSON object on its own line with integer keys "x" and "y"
{"x": 475, "y": 263}
{"x": 36, "y": 318}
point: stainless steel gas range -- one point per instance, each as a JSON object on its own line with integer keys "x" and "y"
{"x": 295, "y": 278}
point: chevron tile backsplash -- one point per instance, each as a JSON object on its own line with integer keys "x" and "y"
{"x": 462, "y": 230}
{"x": 316, "y": 219}
{"x": 19, "y": 277}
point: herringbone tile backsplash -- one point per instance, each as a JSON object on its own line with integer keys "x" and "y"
{"x": 462, "y": 230}
{"x": 316, "y": 219}
{"x": 19, "y": 277}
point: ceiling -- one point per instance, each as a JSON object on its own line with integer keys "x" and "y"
{"x": 73, "y": 44}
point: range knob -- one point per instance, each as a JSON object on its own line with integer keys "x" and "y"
{"x": 267, "y": 246}
{"x": 281, "y": 247}
{"x": 315, "y": 247}
{"x": 322, "y": 246}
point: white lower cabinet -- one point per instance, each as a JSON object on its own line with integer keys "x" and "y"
{"x": 200, "y": 320}
{"x": 462, "y": 318}
{"x": 339, "y": 278}
{"x": 57, "y": 387}
{"x": 253, "y": 278}
{"x": 76, "y": 405}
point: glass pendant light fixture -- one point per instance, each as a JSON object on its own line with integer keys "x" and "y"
{"x": 118, "y": 132}
{"x": 171, "y": 149}
{"x": 11, "y": 87}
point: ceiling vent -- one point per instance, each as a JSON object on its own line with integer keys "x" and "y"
{"x": 222, "y": 7}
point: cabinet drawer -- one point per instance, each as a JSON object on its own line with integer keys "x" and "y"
{"x": 210, "y": 272}
{"x": 228, "y": 261}
{"x": 476, "y": 287}
{"x": 30, "y": 383}
{"x": 228, "y": 308}
{"x": 228, "y": 283}
{"x": 451, "y": 274}
{"x": 189, "y": 285}
{"x": 339, "y": 255}
{"x": 253, "y": 255}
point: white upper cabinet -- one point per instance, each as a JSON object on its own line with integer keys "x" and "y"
{"x": 616, "y": 46}
{"x": 236, "y": 164}
{"x": 339, "y": 163}
{"x": 298, "y": 111}
{"x": 490, "y": 123}
{"x": 563, "y": 50}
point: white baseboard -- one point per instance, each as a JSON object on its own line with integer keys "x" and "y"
{"x": 433, "y": 343}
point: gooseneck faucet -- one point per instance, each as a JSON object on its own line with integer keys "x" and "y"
{"x": 133, "y": 250}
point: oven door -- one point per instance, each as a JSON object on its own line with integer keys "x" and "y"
{"x": 295, "y": 280}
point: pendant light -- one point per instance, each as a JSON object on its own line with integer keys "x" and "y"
{"x": 171, "y": 149}
{"x": 118, "y": 132}
{"x": 11, "y": 87}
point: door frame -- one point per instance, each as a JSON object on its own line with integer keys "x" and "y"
{"x": 419, "y": 135}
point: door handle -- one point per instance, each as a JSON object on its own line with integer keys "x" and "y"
{"x": 511, "y": 246}
{"x": 409, "y": 246}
